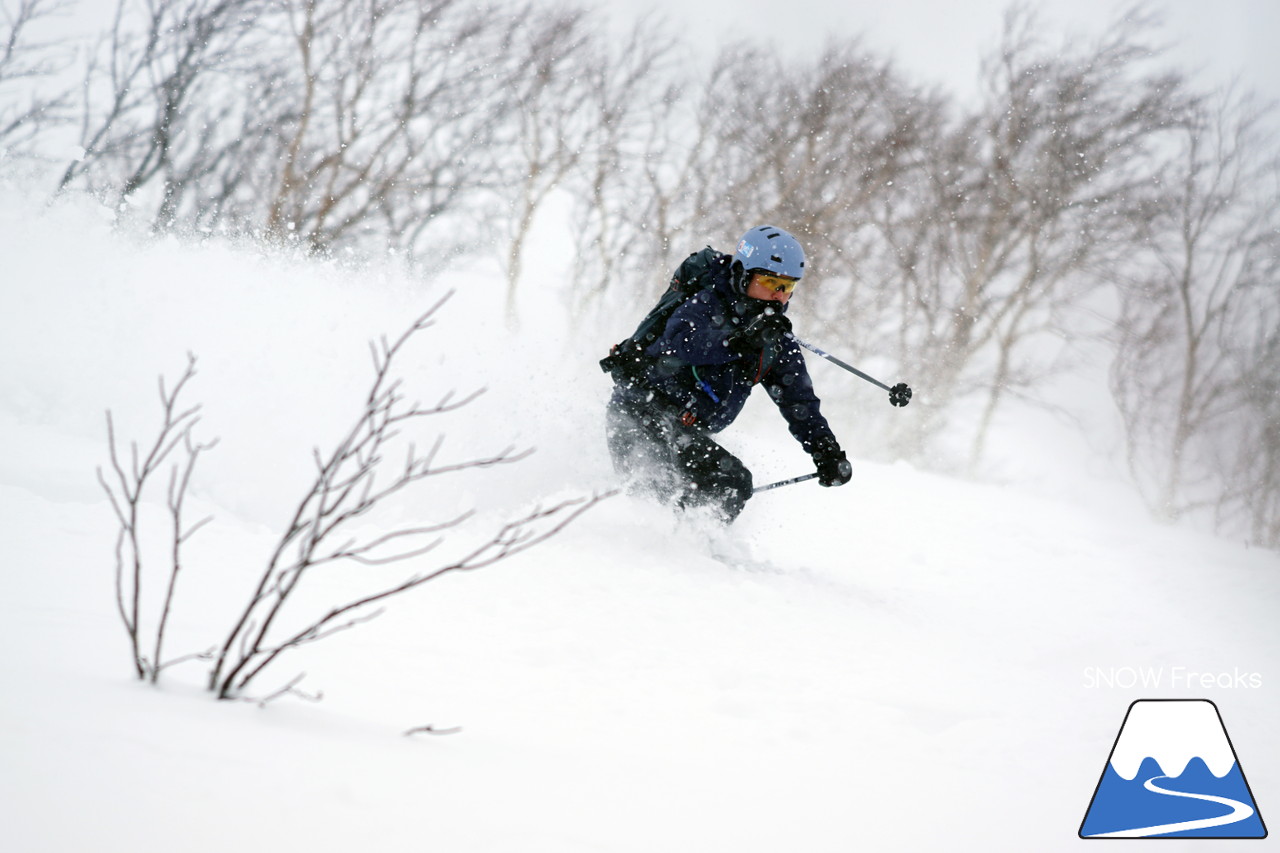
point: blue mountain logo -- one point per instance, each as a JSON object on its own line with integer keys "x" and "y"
{"x": 1173, "y": 773}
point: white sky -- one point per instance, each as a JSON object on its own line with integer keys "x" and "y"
{"x": 942, "y": 40}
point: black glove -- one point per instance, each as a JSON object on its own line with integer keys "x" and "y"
{"x": 833, "y": 468}
{"x": 766, "y": 328}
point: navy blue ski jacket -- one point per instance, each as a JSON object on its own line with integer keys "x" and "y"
{"x": 694, "y": 370}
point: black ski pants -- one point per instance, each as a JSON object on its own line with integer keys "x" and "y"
{"x": 675, "y": 463}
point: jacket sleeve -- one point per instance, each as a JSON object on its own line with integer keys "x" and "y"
{"x": 791, "y": 389}
{"x": 697, "y": 331}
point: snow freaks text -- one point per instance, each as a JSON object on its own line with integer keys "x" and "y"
{"x": 1170, "y": 678}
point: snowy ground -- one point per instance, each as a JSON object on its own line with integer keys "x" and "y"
{"x": 908, "y": 663}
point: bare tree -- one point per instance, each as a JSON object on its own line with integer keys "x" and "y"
{"x": 663, "y": 187}
{"x": 140, "y": 88}
{"x": 1021, "y": 210}
{"x": 394, "y": 109}
{"x": 1197, "y": 334}
{"x": 336, "y": 123}
{"x": 28, "y": 108}
{"x": 822, "y": 149}
{"x": 812, "y": 145}
{"x": 551, "y": 131}
{"x": 126, "y": 493}
{"x": 1251, "y": 467}
{"x": 633, "y": 108}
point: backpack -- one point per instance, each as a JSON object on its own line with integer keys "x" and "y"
{"x": 627, "y": 360}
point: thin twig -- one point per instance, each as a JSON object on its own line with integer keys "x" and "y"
{"x": 289, "y": 689}
{"x": 432, "y": 730}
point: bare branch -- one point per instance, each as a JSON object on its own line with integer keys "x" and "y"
{"x": 349, "y": 485}
{"x": 289, "y": 689}
{"x": 206, "y": 655}
{"x": 29, "y": 67}
{"x": 126, "y": 497}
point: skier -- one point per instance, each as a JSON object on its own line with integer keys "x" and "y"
{"x": 686, "y": 375}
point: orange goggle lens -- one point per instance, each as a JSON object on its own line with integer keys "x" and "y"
{"x": 776, "y": 283}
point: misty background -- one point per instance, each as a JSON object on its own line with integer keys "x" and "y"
{"x": 1082, "y": 219}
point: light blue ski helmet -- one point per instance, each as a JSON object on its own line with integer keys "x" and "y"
{"x": 770, "y": 250}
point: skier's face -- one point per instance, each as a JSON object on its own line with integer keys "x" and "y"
{"x": 770, "y": 288}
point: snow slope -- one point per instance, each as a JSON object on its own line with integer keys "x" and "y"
{"x": 900, "y": 666}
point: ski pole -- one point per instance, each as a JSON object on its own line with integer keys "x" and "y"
{"x": 781, "y": 483}
{"x": 899, "y": 395}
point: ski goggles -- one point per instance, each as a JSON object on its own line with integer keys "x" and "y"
{"x": 776, "y": 283}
